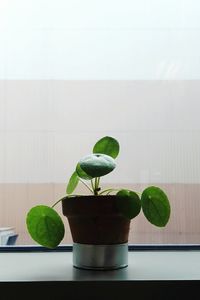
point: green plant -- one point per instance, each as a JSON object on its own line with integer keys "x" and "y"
{"x": 45, "y": 225}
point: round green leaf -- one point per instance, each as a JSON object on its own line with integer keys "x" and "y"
{"x": 81, "y": 173}
{"x": 97, "y": 165}
{"x": 72, "y": 184}
{"x": 155, "y": 206}
{"x": 107, "y": 145}
{"x": 128, "y": 203}
{"x": 45, "y": 226}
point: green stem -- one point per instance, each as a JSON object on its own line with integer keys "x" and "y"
{"x": 87, "y": 186}
{"x": 59, "y": 201}
{"x": 96, "y": 186}
{"x": 112, "y": 190}
{"x": 98, "y": 180}
{"x": 108, "y": 190}
{"x": 93, "y": 187}
{"x": 96, "y": 183}
{"x": 63, "y": 198}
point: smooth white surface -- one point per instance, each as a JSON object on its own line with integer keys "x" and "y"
{"x": 146, "y": 265}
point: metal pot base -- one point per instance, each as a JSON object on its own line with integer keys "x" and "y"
{"x": 100, "y": 257}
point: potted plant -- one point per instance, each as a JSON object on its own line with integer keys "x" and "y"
{"x": 99, "y": 222}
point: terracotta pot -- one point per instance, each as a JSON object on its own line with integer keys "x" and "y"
{"x": 99, "y": 232}
{"x": 95, "y": 220}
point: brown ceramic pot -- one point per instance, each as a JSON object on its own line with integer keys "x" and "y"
{"x": 95, "y": 220}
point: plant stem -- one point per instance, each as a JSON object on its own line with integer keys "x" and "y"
{"x": 112, "y": 190}
{"x": 58, "y": 201}
{"x": 93, "y": 187}
{"x": 87, "y": 186}
{"x": 63, "y": 198}
{"x": 98, "y": 181}
{"x": 96, "y": 186}
{"x": 108, "y": 190}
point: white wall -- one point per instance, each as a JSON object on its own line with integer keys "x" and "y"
{"x": 93, "y": 39}
{"x": 47, "y": 126}
{"x": 73, "y": 71}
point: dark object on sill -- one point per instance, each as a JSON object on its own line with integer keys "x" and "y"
{"x": 12, "y": 240}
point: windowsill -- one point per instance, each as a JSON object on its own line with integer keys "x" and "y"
{"x": 148, "y": 272}
{"x": 57, "y": 266}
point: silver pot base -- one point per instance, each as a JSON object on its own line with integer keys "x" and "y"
{"x": 100, "y": 257}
